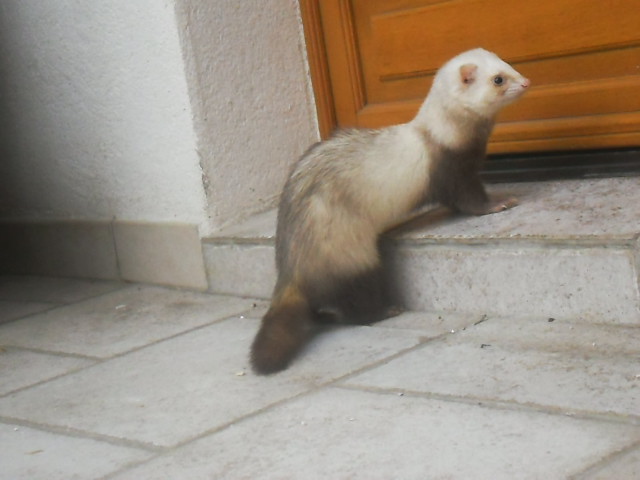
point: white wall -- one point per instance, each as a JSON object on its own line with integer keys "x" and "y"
{"x": 97, "y": 113}
{"x": 252, "y": 99}
{"x": 184, "y": 111}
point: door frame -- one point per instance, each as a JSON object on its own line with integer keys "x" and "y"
{"x": 311, "y": 13}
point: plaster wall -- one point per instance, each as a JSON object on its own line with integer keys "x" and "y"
{"x": 96, "y": 121}
{"x": 252, "y": 99}
{"x": 185, "y": 111}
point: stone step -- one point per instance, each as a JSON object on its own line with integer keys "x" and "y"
{"x": 571, "y": 249}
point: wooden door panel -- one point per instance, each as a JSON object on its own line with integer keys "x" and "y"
{"x": 583, "y": 58}
{"x": 581, "y": 99}
{"x": 417, "y": 41}
{"x": 564, "y": 70}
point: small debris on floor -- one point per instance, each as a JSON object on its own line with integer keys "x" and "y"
{"x": 485, "y": 345}
{"x": 551, "y": 319}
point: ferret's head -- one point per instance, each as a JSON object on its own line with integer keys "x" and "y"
{"x": 479, "y": 81}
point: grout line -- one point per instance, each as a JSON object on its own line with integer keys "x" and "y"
{"x": 55, "y": 353}
{"x": 635, "y": 252}
{"x": 46, "y": 380}
{"x": 515, "y": 241}
{"x": 497, "y": 404}
{"x": 55, "y": 377}
{"x": 233, "y": 241}
{"x": 603, "y": 463}
{"x": 52, "y": 306}
{"x": 115, "y": 248}
{"x": 171, "y": 337}
{"x": 121, "y": 286}
{"x": 227, "y": 318}
{"x": 337, "y": 382}
{"x": 314, "y": 389}
{"x": 97, "y": 361}
{"x": 57, "y": 305}
{"x": 130, "y": 466}
{"x": 83, "y": 434}
{"x": 422, "y": 342}
{"x": 519, "y": 241}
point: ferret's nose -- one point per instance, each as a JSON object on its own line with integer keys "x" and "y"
{"x": 525, "y": 83}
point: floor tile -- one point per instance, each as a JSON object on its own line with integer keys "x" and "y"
{"x": 52, "y": 290}
{"x": 29, "y": 454}
{"x": 432, "y": 324}
{"x": 555, "y": 335}
{"x": 469, "y": 365}
{"x": 19, "y": 368}
{"x": 119, "y": 321}
{"x": 625, "y": 467}
{"x": 176, "y": 390}
{"x": 360, "y": 435}
{"x": 12, "y": 310}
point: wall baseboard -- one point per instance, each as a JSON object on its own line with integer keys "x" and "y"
{"x": 158, "y": 253}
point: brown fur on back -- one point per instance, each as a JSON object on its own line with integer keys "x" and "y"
{"x": 320, "y": 213}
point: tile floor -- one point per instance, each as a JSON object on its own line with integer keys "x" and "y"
{"x": 121, "y": 381}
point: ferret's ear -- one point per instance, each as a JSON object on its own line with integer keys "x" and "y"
{"x": 468, "y": 73}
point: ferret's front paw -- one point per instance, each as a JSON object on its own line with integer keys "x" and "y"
{"x": 499, "y": 203}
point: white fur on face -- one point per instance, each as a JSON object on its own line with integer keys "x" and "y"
{"x": 494, "y": 84}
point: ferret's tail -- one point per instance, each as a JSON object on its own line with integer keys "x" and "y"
{"x": 285, "y": 329}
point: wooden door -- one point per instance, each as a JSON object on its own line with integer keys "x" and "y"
{"x": 373, "y": 61}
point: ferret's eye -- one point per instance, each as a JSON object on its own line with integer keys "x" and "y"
{"x": 498, "y": 80}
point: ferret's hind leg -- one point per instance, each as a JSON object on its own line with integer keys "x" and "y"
{"x": 360, "y": 299}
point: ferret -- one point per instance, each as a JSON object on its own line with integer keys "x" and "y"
{"x": 345, "y": 191}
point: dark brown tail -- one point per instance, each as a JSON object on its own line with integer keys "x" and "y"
{"x": 285, "y": 329}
